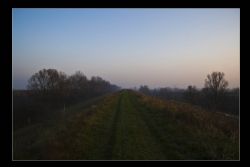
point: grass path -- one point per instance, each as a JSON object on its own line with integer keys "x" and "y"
{"x": 125, "y": 126}
{"x": 133, "y": 139}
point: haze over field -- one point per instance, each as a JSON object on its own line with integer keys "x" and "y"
{"x": 128, "y": 47}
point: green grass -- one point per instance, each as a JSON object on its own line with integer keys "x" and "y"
{"x": 130, "y": 126}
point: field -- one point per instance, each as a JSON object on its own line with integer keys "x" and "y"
{"x": 127, "y": 125}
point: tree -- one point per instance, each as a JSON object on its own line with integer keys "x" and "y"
{"x": 99, "y": 85}
{"x": 78, "y": 81}
{"x": 144, "y": 89}
{"x": 47, "y": 81}
{"x": 191, "y": 94}
{"x": 215, "y": 86}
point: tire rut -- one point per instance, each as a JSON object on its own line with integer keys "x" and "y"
{"x": 156, "y": 133}
{"x": 112, "y": 139}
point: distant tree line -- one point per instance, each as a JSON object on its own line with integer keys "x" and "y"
{"x": 50, "y": 91}
{"x": 214, "y": 96}
{"x": 52, "y": 84}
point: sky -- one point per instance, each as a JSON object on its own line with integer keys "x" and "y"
{"x": 128, "y": 47}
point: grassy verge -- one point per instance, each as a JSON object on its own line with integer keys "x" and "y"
{"x": 82, "y": 133}
{"x": 186, "y": 132}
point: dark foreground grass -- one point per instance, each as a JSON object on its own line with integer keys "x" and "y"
{"x": 130, "y": 126}
{"x": 82, "y": 133}
{"x": 186, "y": 132}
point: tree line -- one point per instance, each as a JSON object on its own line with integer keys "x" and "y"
{"x": 215, "y": 95}
{"x": 50, "y": 91}
{"x": 50, "y": 83}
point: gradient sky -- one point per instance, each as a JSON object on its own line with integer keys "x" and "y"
{"x": 128, "y": 47}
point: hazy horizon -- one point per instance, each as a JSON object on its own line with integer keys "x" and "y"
{"x": 128, "y": 47}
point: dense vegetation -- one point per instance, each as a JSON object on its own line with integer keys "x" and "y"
{"x": 129, "y": 125}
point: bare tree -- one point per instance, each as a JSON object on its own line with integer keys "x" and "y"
{"x": 191, "y": 94}
{"x": 144, "y": 89}
{"x": 78, "y": 81}
{"x": 216, "y": 85}
{"x": 47, "y": 80}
